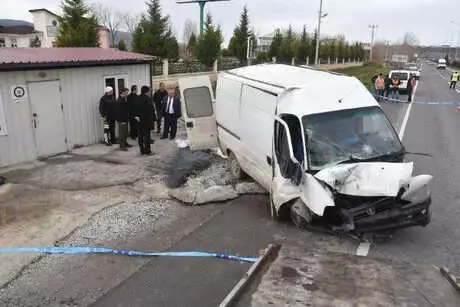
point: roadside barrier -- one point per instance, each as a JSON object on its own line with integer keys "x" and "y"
{"x": 98, "y": 250}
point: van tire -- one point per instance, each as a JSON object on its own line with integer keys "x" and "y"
{"x": 234, "y": 167}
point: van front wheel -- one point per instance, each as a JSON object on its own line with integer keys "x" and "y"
{"x": 234, "y": 166}
{"x": 301, "y": 216}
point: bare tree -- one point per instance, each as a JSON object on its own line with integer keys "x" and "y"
{"x": 190, "y": 27}
{"x": 131, "y": 21}
{"x": 110, "y": 19}
{"x": 410, "y": 39}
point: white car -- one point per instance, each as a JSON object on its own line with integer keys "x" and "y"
{"x": 414, "y": 71}
{"x": 442, "y": 64}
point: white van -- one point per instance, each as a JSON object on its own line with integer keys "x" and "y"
{"x": 317, "y": 141}
{"x": 442, "y": 64}
{"x": 403, "y": 76}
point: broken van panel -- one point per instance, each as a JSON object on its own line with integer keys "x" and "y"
{"x": 328, "y": 154}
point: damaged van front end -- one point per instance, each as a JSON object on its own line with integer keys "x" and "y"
{"x": 371, "y": 197}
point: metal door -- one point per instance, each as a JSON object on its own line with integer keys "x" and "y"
{"x": 47, "y": 117}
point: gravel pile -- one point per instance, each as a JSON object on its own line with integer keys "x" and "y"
{"x": 119, "y": 222}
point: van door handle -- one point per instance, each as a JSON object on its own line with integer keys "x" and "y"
{"x": 269, "y": 160}
{"x": 189, "y": 124}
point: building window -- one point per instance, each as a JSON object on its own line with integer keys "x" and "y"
{"x": 2, "y": 119}
{"x": 14, "y": 43}
{"x": 2, "y": 42}
{"x": 117, "y": 83}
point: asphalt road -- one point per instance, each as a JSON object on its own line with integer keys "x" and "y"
{"x": 243, "y": 226}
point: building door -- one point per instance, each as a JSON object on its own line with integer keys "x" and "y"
{"x": 47, "y": 117}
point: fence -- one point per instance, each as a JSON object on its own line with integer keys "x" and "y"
{"x": 165, "y": 68}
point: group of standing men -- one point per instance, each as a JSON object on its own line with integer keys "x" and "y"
{"x": 136, "y": 115}
{"x": 384, "y": 86}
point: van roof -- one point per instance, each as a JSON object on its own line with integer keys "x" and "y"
{"x": 285, "y": 76}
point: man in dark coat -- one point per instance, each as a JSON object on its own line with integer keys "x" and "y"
{"x": 123, "y": 113}
{"x": 387, "y": 85}
{"x": 132, "y": 121}
{"x": 145, "y": 116}
{"x": 107, "y": 109}
{"x": 172, "y": 112}
{"x": 158, "y": 99}
{"x": 410, "y": 87}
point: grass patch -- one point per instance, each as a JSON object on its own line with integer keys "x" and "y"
{"x": 364, "y": 73}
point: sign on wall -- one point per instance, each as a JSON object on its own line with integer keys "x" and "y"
{"x": 19, "y": 93}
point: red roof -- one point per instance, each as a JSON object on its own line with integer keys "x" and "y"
{"x": 64, "y": 56}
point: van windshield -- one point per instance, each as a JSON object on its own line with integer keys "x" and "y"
{"x": 355, "y": 135}
{"x": 401, "y": 75}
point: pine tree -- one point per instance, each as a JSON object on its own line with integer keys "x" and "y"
{"x": 239, "y": 42}
{"x": 153, "y": 35}
{"x": 78, "y": 26}
{"x": 303, "y": 46}
{"x": 122, "y": 45}
{"x": 275, "y": 46}
{"x": 287, "y": 46}
{"x": 209, "y": 44}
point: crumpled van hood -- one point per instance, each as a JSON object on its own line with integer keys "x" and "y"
{"x": 368, "y": 178}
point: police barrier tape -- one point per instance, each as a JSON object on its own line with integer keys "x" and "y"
{"x": 445, "y": 103}
{"x": 99, "y": 250}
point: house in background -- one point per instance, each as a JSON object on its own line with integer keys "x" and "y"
{"x": 49, "y": 97}
{"x": 45, "y": 27}
{"x": 18, "y": 33}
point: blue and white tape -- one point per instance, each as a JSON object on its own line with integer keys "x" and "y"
{"x": 444, "y": 103}
{"x": 99, "y": 250}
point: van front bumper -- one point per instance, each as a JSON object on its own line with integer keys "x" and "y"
{"x": 386, "y": 214}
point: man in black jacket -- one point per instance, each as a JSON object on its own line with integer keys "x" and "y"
{"x": 132, "y": 121}
{"x": 107, "y": 109}
{"x": 158, "y": 99}
{"x": 145, "y": 116}
{"x": 172, "y": 112}
{"x": 123, "y": 112}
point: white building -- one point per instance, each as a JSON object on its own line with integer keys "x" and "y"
{"x": 264, "y": 42}
{"x": 17, "y": 33}
{"x": 46, "y": 22}
{"x": 49, "y": 97}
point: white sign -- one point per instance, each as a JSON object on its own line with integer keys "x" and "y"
{"x": 19, "y": 93}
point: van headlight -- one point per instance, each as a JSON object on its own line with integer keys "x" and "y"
{"x": 418, "y": 190}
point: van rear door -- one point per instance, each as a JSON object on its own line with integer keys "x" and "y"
{"x": 198, "y": 112}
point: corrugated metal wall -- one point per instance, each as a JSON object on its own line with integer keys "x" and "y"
{"x": 81, "y": 91}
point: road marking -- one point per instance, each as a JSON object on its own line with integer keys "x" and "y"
{"x": 363, "y": 249}
{"x": 406, "y": 117}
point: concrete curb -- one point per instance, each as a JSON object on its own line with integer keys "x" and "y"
{"x": 451, "y": 278}
{"x": 266, "y": 255}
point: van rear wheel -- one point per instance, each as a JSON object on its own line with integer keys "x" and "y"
{"x": 235, "y": 168}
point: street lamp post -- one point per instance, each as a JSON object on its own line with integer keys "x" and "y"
{"x": 320, "y": 16}
{"x": 202, "y": 4}
{"x": 387, "y": 44}
{"x": 372, "y": 27}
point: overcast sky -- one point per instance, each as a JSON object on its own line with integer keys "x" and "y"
{"x": 430, "y": 20}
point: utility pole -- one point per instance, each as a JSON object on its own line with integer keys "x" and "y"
{"x": 202, "y": 4}
{"x": 320, "y": 15}
{"x": 372, "y": 27}
{"x": 387, "y": 44}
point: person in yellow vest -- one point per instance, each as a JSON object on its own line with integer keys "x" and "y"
{"x": 454, "y": 79}
{"x": 380, "y": 86}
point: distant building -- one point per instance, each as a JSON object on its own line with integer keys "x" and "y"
{"x": 17, "y": 33}
{"x": 45, "y": 29}
{"x": 264, "y": 42}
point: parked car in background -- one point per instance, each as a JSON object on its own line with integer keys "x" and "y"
{"x": 414, "y": 70}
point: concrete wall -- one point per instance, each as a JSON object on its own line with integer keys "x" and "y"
{"x": 80, "y": 94}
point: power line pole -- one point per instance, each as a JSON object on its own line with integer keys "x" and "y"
{"x": 372, "y": 27}
{"x": 320, "y": 15}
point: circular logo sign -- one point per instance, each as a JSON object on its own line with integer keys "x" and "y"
{"x": 19, "y": 92}
{"x": 54, "y": 23}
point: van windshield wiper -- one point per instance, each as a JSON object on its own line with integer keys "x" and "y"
{"x": 352, "y": 159}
